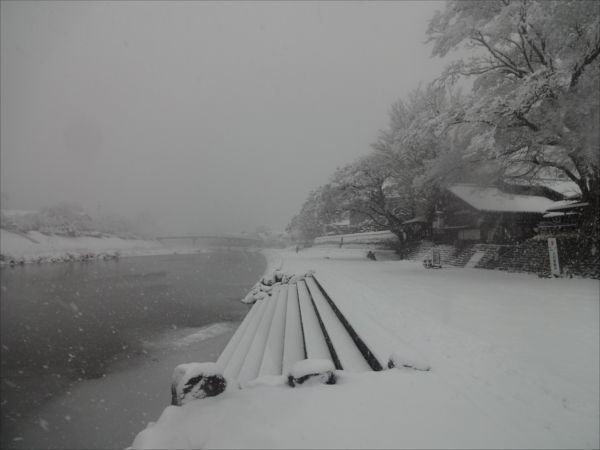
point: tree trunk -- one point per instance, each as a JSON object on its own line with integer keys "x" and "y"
{"x": 590, "y": 229}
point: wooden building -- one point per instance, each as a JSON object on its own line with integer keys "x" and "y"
{"x": 564, "y": 218}
{"x": 487, "y": 214}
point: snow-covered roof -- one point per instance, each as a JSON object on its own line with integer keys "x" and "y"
{"x": 565, "y": 205}
{"x": 493, "y": 199}
{"x": 341, "y": 223}
{"x": 553, "y": 214}
{"x": 558, "y": 214}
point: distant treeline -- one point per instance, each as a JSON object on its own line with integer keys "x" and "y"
{"x": 71, "y": 220}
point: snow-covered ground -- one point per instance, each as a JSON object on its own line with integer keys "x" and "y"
{"x": 514, "y": 359}
{"x": 33, "y": 246}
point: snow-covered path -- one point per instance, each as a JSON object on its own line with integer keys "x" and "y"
{"x": 515, "y": 364}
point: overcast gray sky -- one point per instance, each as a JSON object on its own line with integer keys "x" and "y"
{"x": 210, "y": 116}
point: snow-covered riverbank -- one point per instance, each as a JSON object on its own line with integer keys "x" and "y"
{"x": 514, "y": 364}
{"x": 37, "y": 247}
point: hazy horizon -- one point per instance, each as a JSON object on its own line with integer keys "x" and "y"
{"x": 209, "y": 117}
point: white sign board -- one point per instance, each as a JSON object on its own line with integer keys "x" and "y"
{"x": 553, "y": 253}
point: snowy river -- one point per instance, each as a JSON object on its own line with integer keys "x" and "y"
{"x": 88, "y": 348}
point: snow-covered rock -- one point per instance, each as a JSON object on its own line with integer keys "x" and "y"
{"x": 294, "y": 279}
{"x": 278, "y": 275}
{"x": 321, "y": 371}
{"x": 266, "y": 288}
{"x": 249, "y": 298}
{"x": 268, "y": 280}
{"x": 408, "y": 358}
{"x": 260, "y": 296}
{"x": 195, "y": 381}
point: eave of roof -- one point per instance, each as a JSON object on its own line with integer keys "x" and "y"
{"x": 566, "y": 205}
{"x": 492, "y": 199}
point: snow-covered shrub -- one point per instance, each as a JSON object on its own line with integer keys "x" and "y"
{"x": 409, "y": 359}
{"x": 194, "y": 381}
{"x": 321, "y": 371}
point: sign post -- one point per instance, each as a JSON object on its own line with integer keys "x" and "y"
{"x": 553, "y": 253}
{"x": 435, "y": 257}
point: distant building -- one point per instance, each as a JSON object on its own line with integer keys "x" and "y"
{"x": 488, "y": 214}
{"x": 339, "y": 227}
{"x": 417, "y": 228}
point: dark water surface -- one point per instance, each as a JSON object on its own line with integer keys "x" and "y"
{"x": 69, "y": 325}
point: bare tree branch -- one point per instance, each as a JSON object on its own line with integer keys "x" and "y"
{"x": 588, "y": 59}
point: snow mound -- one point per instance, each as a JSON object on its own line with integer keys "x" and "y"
{"x": 295, "y": 278}
{"x": 266, "y": 288}
{"x": 165, "y": 433}
{"x": 408, "y": 358}
{"x": 195, "y": 381}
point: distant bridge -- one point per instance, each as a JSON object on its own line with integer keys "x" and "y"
{"x": 216, "y": 240}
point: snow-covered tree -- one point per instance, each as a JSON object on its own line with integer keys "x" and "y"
{"x": 535, "y": 99}
{"x": 315, "y": 213}
{"x": 422, "y": 149}
{"x": 371, "y": 188}
{"x": 65, "y": 219}
{"x": 533, "y": 111}
{"x": 401, "y": 176}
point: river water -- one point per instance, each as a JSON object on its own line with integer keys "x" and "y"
{"x": 87, "y": 349}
